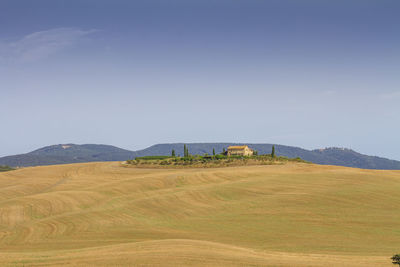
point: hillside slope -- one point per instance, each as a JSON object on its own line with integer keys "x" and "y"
{"x": 68, "y": 153}
{"x": 102, "y": 214}
{"x": 71, "y": 153}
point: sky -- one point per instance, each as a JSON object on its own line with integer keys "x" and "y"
{"x": 309, "y": 73}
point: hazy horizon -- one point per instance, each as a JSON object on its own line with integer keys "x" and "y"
{"x": 311, "y": 74}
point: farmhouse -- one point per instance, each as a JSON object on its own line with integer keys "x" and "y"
{"x": 240, "y": 151}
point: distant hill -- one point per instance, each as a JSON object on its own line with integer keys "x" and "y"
{"x": 71, "y": 153}
{"x": 67, "y": 153}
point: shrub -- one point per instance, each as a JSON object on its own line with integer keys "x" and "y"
{"x": 396, "y": 259}
{"x": 153, "y": 157}
{"x": 5, "y": 168}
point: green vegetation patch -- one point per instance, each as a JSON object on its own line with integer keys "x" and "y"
{"x": 153, "y": 157}
{"x": 214, "y": 160}
{"x": 6, "y": 168}
{"x": 210, "y": 161}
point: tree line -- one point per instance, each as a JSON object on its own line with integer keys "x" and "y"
{"x": 186, "y": 153}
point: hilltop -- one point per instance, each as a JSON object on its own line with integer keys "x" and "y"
{"x": 207, "y": 161}
{"x": 72, "y": 153}
{"x": 106, "y": 214}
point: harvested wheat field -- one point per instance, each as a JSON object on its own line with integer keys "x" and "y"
{"x": 105, "y": 214}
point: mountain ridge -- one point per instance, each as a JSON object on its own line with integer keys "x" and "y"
{"x": 73, "y": 153}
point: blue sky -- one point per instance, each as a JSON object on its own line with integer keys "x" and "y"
{"x": 307, "y": 73}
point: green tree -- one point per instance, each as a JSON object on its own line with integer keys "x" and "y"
{"x": 173, "y": 153}
{"x": 255, "y": 153}
{"x": 396, "y": 259}
{"x": 273, "y": 152}
{"x": 185, "y": 151}
{"x": 213, "y": 151}
{"x": 223, "y": 150}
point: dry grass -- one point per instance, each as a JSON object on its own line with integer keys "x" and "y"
{"x": 102, "y": 214}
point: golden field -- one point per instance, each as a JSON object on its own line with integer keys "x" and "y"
{"x": 107, "y": 214}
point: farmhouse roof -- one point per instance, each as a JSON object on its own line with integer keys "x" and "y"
{"x": 237, "y": 147}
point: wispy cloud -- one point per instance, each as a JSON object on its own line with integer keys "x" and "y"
{"x": 41, "y": 44}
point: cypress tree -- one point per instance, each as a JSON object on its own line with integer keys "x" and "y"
{"x": 213, "y": 151}
{"x": 173, "y": 153}
{"x": 273, "y": 152}
{"x": 184, "y": 151}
